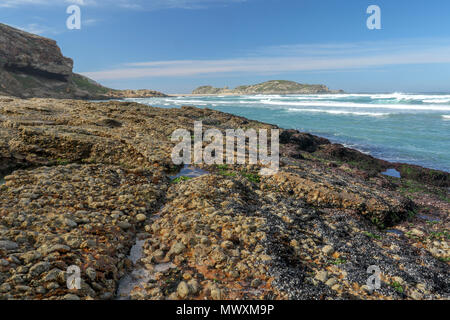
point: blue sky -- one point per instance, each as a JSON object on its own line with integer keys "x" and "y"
{"x": 176, "y": 45}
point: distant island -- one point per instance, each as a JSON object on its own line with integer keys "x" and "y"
{"x": 34, "y": 67}
{"x": 268, "y": 87}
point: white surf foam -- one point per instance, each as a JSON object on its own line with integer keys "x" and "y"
{"x": 339, "y": 104}
{"x": 371, "y": 114}
{"x": 436, "y": 100}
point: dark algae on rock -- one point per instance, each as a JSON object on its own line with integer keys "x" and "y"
{"x": 84, "y": 181}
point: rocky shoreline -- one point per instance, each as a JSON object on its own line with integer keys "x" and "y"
{"x": 84, "y": 181}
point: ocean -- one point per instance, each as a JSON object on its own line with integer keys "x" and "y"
{"x": 398, "y": 127}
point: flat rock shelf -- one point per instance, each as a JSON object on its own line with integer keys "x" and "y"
{"x": 93, "y": 185}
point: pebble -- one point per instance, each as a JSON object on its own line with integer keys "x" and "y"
{"x": 141, "y": 217}
{"x": 8, "y": 245}
{"x": 183, "y": 290}
{"x": 216, "y": 294}
{"x": 39, "y": 268}
{"x": 124, "y": 225}
{"x": 327, "y": 250}
{"x": 321, "y": 276}
{"x": 417, "y": 232}
{"x": 177, "y": 248}
{"x": 4, "y": 288}
{"x": 331, "y": 282}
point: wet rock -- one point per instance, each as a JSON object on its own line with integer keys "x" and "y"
{"x": 53, "y": 275}
{"x": 46, "y": 250}
{"x": 39, "y": 268}
{"x": 4, "y": 288}
{"x": 124, "y": 225}
{"x": 8, "y": 245}
{"x": 30, "y": 256}
{"x": 91, "y": 273}
{"x": 70, "y": 223}
{"x": 71, "y": 297}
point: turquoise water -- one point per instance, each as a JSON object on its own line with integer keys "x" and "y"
{"x": 398, "y": 127}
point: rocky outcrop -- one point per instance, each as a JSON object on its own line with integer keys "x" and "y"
{"x": 211, "y": 90}
{"x": 32, "y": 66}
{"x": 269, "y": 87}
{"x": 100, "y": 176}
{"x": 143, "y": 93}
{"x": 22, "y": 51}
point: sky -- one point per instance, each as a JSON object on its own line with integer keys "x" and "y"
{"x": 174, "y": 46}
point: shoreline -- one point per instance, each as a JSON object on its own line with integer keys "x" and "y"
{"x": 358, "y": 147}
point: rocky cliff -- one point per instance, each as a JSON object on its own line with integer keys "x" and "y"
{"x": 33, "y": 66}
{"x": 269, "y": 87}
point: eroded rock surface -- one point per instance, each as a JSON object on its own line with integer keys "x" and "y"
{"x": 84, "y": 179}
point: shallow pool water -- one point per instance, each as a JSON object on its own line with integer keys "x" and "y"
{"x": 429, "y": 218}
{"x": 392, "y": 173}
{"x": 190, "y": 172}
{"x": 395, "y": 231}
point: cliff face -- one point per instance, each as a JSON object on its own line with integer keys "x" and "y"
{"x": 34, "y": 67}
{"x": 269, "y": 87}
{"x": 30, "y": 53}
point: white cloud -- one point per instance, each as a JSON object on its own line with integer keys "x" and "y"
{"x": 34, "y": 28}
{"x": 38, "y": 29}
{"x": 89, "y": 22}
{"x": 43, "y": 30}
{"x": 284, "y": 59}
